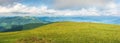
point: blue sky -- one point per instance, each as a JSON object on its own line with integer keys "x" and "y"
{"x": 59, "y": 7}
{"x": 36, "y": 2}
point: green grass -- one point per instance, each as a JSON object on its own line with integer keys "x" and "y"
{"x": 66, "y": 32}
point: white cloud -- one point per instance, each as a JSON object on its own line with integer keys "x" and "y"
{"x": 80, "y": 3}
{"x": 112, "y": 9}
{"x": 8, "y": 2}
{"x": 23, "y": 10}
{"x": 82, "y": 12}
{"x": 111, "y": 5}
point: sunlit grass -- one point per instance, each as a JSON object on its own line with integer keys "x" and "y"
{"x": 66, "y": 32}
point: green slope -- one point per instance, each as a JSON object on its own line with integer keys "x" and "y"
{"x": 66, "y": 32}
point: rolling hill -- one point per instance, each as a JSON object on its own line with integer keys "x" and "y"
{"x": 17, "y": 23}
{"x": 22, "y": 27}
{"x": 66, "y": 32}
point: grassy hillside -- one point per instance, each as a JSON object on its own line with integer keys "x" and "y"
{"x": 66, "y": 32}
{"x": 22, "y": 27}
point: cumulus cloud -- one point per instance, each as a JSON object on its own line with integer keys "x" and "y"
{"x": 80, "y": 3}
{"x": 8, "y": 2}
{"x": 23, "y": 10}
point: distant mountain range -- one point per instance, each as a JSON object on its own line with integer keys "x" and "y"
{"x": 96, "y": 19}
{"x": 17, "y": 23}
{"x": 20, "y": 23}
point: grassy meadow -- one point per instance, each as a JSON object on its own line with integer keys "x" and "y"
{"x": 66, "y": 32}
